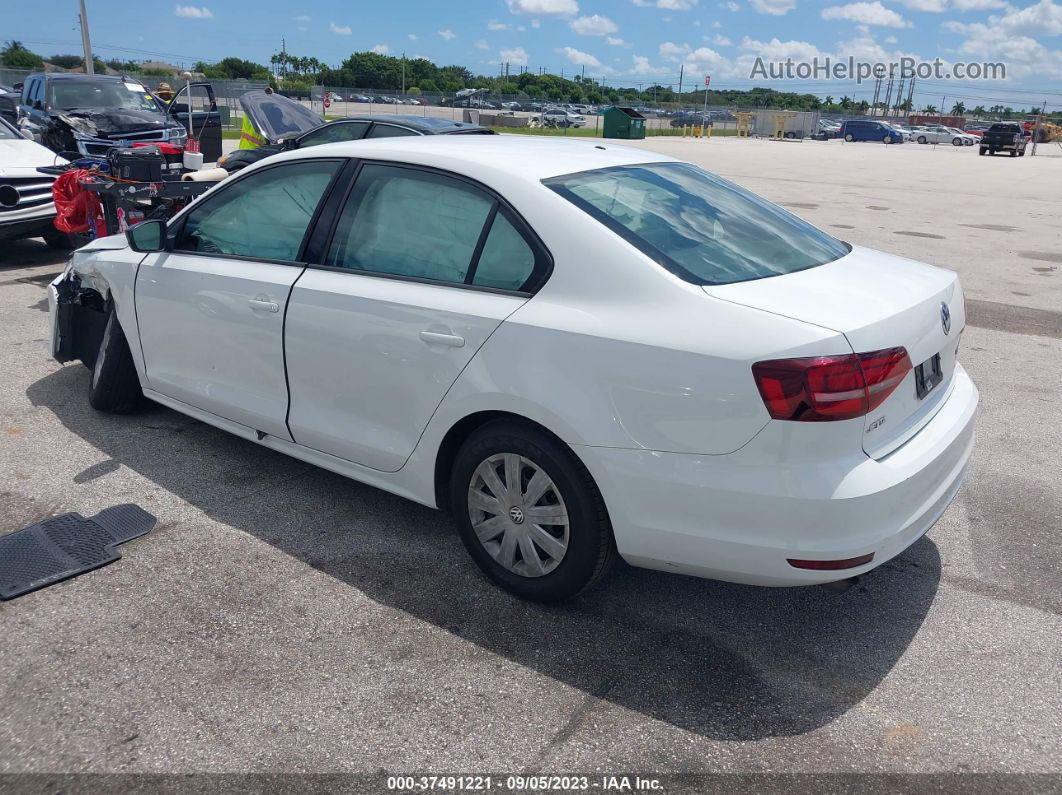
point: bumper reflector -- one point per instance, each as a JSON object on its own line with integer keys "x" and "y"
{"x": 831, "y": 565}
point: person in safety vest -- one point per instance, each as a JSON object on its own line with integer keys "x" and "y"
{"x": 249, "y": 136}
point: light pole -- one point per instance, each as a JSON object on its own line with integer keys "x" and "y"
{"x": 89, "y": 68}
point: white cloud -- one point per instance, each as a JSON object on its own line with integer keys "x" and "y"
{"x": 1010, "y": 36}
{"x": 717, "y": 24}
{"x": 595, "y": 25}
{"x": 580, "y": 58}
{"x": 341, "y": 30}
{"x": 302, "y": 28}
{"x": 890, "y": 39}
{"x": 669, "y": 5}
{"x": 193, "y": 12}
{"x": 481, "y": 45}
{"x": 867, "y": 14}
{"x": 381, "y": 49}
{"x": 773, "y": 7}
{"x": 731, "y": 6}
{"x": 496, "y": 25}
{"x": 670, "y": 51}
{"x": 302, "y": 18}
{"x": 615, "y": 41}
{"x": 516, "y": 56}
{"x": 938, "y": 6}
{"x": 412, "y": 37}
{"x": 543, "y": 6}
{"x": 536, "y": 24}
{"x": 641, "y": 66}
{"x": 721, "y": 41}
{"x": 448, "y": 34}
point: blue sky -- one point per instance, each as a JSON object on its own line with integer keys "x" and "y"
{"x": 622, "y": 41}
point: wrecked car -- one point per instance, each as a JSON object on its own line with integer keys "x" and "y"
{"x": 90, "y": 114}
{"x": 351, "y": 128}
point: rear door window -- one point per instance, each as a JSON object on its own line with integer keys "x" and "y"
{"x": 423, "y": 225}
{"x": 330, "y": 133}
{"x": 389, "y": 131}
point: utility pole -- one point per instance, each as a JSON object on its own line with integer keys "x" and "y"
{"x": 403, "y": 73}
{"x": 910, "y": 97}
{"x": 888, "y": 93}
{"x": 681, "y": 68}
{"x": 1036, "y": 129}
{"x": 877, "y": 93}
{"x": 899, "y": 96}
{"x": 89, "y": 68}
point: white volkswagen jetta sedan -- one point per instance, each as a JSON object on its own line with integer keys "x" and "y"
{"x": 576, "y": 349}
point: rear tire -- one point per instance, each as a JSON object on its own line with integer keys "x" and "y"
{"x": 921, "y": 139}
{"x": 541, "y": 561}
{"x": 115, "y": 386}
{"x": 982, "y": 151}
{"x": 849, "y": 137}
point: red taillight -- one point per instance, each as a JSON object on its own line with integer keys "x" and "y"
{"x": 823, "y": 388}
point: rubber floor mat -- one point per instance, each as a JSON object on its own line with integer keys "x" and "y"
{"x": 65, "y": 546}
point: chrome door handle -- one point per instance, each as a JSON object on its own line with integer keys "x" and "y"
{"x": 261, "y": 303}
{"x": 443, "y": 339}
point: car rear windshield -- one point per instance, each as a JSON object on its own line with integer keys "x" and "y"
{"x": 700, "y": 227}
{"x": 1003, "y": 128}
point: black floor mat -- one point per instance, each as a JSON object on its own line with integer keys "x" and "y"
{"x": 65, "y": 546}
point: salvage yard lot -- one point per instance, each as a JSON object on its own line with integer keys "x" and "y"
{"x": 282, "y": 619}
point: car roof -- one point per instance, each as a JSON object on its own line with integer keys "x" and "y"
{"x": 427, "y": 124}
{"x": 531, "y": 157}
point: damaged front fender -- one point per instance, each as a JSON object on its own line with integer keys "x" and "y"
{"x": 79, "y": 315}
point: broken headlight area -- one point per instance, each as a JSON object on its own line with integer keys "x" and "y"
{"x": 81, "y": 317}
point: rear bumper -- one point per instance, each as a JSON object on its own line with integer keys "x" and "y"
{"x": 739, "y": 517}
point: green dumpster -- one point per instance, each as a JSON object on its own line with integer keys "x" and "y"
{"x": 623, "y": 123}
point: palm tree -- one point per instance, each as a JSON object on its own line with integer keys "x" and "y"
{"x": 931, "y": 109}
{"x": 906, "y": 106}
{"x": 958, "y": 109}
{"x": 979, "y": 111}
{"x": 828, "y": 101}
{"x": 846, "y": 102}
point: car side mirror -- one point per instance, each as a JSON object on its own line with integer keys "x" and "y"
{"x": 147, "y": 236}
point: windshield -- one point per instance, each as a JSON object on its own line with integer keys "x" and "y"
{"x": 699, "y": 226}
{"x": 7, "y": 132}
{"x": 89, "y": 93}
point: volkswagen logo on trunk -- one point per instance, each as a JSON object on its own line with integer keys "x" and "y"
{"x": 945, "y": 318}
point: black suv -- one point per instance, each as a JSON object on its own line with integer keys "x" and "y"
{"x": 90, "y": 114}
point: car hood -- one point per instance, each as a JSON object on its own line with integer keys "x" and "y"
{"x": 274, "y": 116}
{"x": 21, "y": 153}
{"x": 120, "y": 120}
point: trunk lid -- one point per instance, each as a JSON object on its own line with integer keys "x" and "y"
{"x": 877, "y": 301}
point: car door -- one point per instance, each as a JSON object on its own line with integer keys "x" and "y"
{"x": 211, "y": 308}
{"x": 422, "y": 268}
{"x": 198, "y": 100}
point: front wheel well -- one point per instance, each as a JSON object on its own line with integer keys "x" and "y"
{"x": 456, "y": 436}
